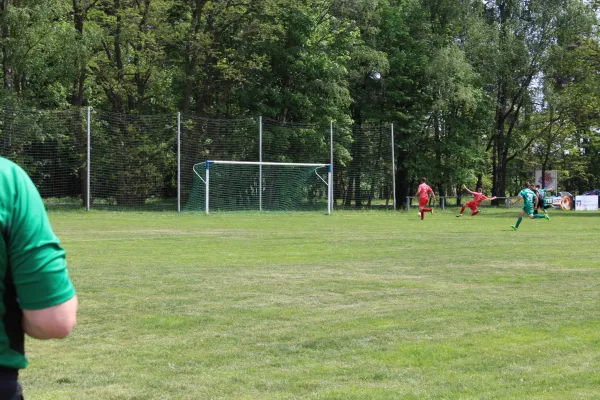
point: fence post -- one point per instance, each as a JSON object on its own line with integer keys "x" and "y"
{"x": 260, "y": 165}
{"x": 393, "y": 168}
{"x": 443, "y": 202}
{"x": 206, "y": 183}
{"x": 178, "y": 162}
{"x": 407, "y": 203}
{"x": 89, "y": 157}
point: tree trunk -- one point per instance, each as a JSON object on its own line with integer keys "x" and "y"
{"x": 190, "y": 57}
{"x": 6, "y": 56}
{"x": 402, "y": 180}
{"x": 438, "y": 153}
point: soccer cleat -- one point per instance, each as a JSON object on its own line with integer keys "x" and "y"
{"x": 459, "y": 215}
{"x": 547, "y": 217}
{"x": 514, "y": 227}
{"x": 431, "y": 211}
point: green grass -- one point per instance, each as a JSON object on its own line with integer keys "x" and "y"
{"x": 357, "y": 305}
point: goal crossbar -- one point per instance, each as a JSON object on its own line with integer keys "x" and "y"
{"x": 206, "y": 179}
{"x": 208, "y": 162}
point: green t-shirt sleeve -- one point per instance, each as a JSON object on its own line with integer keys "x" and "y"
{"x": 37, "y": 260}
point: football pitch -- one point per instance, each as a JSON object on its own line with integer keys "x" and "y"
{"x": 356, "y": 305}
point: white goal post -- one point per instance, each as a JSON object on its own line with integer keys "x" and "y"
{"x": 206, "y": 175}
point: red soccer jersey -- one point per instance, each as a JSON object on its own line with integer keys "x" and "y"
{"x": 478, "y": 198}
{"x": 424, "y": 191}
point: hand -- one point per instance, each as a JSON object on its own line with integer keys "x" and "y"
{"x": 464, "y": 186}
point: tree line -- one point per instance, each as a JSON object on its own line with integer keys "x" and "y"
{"x": 479, "y": 91}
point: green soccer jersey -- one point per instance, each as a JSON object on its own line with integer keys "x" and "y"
{"x": 528, "y": 198}
{"x": 33, "y": 273}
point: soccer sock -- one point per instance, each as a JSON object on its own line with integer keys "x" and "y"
{"x": 427, "y": 209}
{"x": 519, "y": 222}
{"x": 536, "y": 216}
{"x": 422, "y": 213}
{"x": 474, "y": 213}
{"x": 462, "y": 209}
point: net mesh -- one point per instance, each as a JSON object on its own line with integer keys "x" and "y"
{"x": 295, "y": 142}
{"x": 236, "y": 187}
{"x": 134, "y": 158}
{"x": 51, "y": 147}
{"x": 133, "y": 161}
{"x": 364, "y": 177}
{"x": 214, "y": 139}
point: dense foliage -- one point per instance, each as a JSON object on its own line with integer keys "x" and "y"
{"x": 482, "y": 92}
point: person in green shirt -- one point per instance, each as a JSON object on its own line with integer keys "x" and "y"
{"x": 529, "y": 198}
{"x": 541, "y": 201}
{"x": 38, "y": 297}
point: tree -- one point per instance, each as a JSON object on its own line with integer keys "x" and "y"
{"x": 518, "y": 42}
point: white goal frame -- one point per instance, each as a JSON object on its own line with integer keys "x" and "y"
{"x": 206, "y": 178}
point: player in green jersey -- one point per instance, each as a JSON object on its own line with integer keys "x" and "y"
{"x": 37, "y": 297}
{"x": 529, "y": 198}
{"x": 541, "y": 201}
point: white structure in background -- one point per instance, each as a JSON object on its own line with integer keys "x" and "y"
{"x": 586, "y": 203}
{"x": 550, "y": 179}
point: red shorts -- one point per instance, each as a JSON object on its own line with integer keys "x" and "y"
{"x": 472, "y": 205}
{"x": 423, "y": 201}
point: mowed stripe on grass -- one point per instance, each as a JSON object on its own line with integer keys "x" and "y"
{"x": 371, "y": 304}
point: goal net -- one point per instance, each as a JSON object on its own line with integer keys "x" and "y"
{"x": 260, "y": 186}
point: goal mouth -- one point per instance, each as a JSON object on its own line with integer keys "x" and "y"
{"x": 222, "y": 185}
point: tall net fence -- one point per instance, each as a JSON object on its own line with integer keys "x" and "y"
{"x": 147, "y": 161}
{"x": 295, "y": 142}
{"x": 205, "y": 139}
{"x": 364, "y": 177}
{"x": 133, "y": 161}
{"x": 51, "y": 148}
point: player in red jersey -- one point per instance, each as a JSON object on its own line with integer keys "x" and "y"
{"x": 423, "y": 193}
{"x": 478, "y": 197}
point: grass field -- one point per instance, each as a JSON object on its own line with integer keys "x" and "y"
{"x": 357, "y": 305}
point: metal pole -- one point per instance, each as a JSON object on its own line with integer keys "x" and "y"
{"x": 207, "y": 177}
{"x": 89, "y": 158}
{"x": 329, "y": 191}
{"x": 393, "y": 168}
{"x": 178, "y": 162}
{"x": 260, "y": 165}
{"x": 330, "y": 196}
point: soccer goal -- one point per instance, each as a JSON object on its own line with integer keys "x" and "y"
{"x": 260, "y": 186}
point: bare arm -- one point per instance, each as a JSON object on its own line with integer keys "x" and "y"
{"x": 468, "y": 190}
{"x": 518, "y": 200}
{"x": 51, "y": 323}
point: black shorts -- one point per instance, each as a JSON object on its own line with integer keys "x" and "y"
{"x": 10, "y": 389}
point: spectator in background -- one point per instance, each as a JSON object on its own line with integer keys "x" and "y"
{"x": 38, "y": 296}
